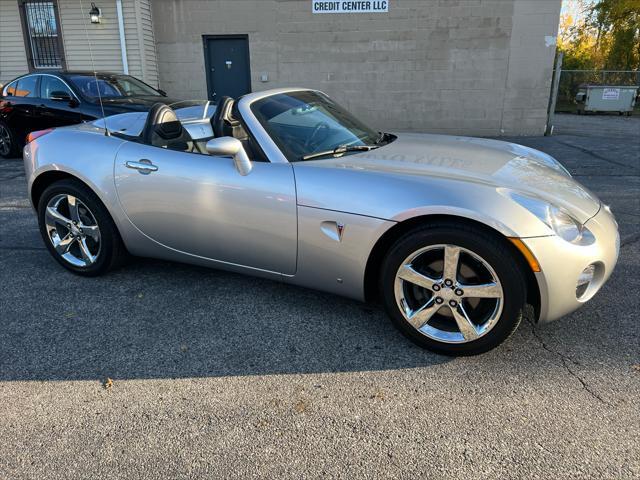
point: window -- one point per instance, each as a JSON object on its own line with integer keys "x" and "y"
{"x": 25, "y": 87}
{"x": 41, "y": 28}
{"x": 112, "y": 86}
{"x": 50, "y": 85}
{"x": 10, "y": 90}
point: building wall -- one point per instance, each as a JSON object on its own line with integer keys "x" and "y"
{"x": 141, "y": 48}
{"x": 532, "y": 51}
{"x": 13, "y": 57}
{"x": 78, "y": 32}
{"x": 479, "y": 67}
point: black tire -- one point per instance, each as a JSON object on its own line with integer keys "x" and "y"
{"x": 14, "y": 146}
{"x": 496, "y": 251}
{"x": 112, "y": 252}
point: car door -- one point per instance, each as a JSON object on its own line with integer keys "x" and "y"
{"x": 58, "y": 106}
{"x": 201, "y": 205}
{"x": 23, "y": 104}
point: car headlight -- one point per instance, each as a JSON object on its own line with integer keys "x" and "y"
{"x": 557, "y": 219}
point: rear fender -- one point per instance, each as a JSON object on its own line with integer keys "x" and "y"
{"x": 79, "y": 153}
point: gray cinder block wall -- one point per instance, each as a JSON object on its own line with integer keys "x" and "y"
{"x": 478, "y": 67}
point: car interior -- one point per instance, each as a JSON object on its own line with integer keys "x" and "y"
{"x": 163, "y": 129}
{"x": 225, "y": 123}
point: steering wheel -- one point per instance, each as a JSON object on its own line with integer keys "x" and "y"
{"x": 320, "y": 126}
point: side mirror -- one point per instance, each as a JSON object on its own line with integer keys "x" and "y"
{"x": 231, "y": 147}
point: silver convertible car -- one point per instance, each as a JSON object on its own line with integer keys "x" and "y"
{"x": 459, "y": 238}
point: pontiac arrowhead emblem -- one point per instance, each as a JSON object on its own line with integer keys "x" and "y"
{"x": 340, "y": 228}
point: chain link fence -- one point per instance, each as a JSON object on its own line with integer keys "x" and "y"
{"x": 570, "y": 81}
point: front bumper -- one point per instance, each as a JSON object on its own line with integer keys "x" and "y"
{"x": 562, "y": 263}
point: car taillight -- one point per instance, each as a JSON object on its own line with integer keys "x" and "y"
{"x": 34, "y": 135}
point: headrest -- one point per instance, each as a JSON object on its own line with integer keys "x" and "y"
{"x": 219, "y": 118}
{"x": 168, "y": 127}
{"x": 163, "y": 122}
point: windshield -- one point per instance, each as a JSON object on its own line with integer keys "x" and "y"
{"x": 193, "y": 110}
{"x": 111, "y": 86}
{"x": 306, "y": 123}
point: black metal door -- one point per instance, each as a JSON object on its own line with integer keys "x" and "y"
{"x": 227, "y": 64}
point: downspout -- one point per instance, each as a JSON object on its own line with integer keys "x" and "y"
{"x": 123, "y": 43}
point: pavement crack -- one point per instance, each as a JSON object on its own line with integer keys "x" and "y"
{"x": 13, "y": 207}
{"x": 594, "y": 155}
{"x": 621, "y": 212}
{"x": 12, "y": 177}
{"x": 629, "y": 240}
{"x": 566, "y": 362}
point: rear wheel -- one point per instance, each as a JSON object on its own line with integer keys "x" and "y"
{"x": 456, "y": 290}
{"x": 78, "y": 230}
{"x": 8, "y": 141}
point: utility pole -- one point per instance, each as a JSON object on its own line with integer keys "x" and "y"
{"x": 554, "y": 94}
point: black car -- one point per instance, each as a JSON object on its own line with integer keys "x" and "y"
{"x": 39, "y": 100}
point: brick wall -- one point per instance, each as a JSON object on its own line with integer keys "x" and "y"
{"x": 480, "y": 67}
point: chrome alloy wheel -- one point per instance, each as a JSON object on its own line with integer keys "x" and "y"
{"x": 72, "y": 230}
{"x": 449, "y": 293}
{"x": 5, "y": 141}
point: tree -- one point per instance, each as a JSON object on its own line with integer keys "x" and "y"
{"x": 619, "y": 20}
{"x": 602, "y": 34}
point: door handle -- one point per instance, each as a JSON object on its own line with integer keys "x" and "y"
{"x": 143, "y": 166}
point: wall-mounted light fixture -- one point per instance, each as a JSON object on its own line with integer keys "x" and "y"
{"x": 95, "y": 14}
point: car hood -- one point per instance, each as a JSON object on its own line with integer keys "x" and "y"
{"x": 491, "y": 162}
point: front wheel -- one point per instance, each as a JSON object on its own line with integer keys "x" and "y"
{"x": 453, "y": 289}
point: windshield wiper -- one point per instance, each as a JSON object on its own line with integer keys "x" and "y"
{"x": 340, "y": 150}
{"x": 383, "y": 138}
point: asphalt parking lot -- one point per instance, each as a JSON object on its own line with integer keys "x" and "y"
{"x": 219, "y": 375}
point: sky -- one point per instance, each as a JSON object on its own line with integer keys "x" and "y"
{"x": 574, "y": 7}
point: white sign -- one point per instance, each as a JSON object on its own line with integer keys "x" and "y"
{"x": 611, "y": 94}
{"x": 350, "y": 6}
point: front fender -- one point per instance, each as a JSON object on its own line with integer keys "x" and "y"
{"x": 455, "y": 211}
{"x": 396, "y": 198}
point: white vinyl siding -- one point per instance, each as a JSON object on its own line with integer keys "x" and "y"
{"x": 140, "y": 42}
{"x": 149, "y": 43}
{"x": 13, "y": 57}
{"x": 78, "y": 31}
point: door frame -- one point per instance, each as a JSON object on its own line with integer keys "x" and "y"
{"x": 205, "y": 39}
